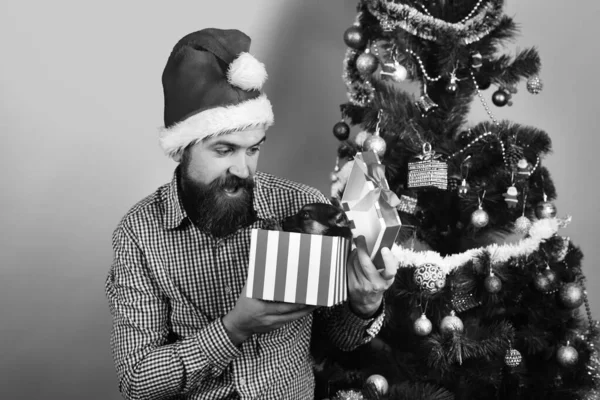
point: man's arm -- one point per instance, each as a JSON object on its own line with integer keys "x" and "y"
{"x": 344, "y": 328}
{"x": 149, "y": 367}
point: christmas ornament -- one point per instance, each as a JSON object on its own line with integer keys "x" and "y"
{"x": 512, "y": 358}
{"x": 430, "y": 278}
{"x": 560, "y": 254}
{"x": 480, "y": 218}
{"x": 453, "y": 182}
{"x": 376, "y": 144}
{"x": 422, "y": 326}
{"x": 463, "y": 189}
{"x": 348, "y": 395}
{"x": 354, "y": 37}
{"x": 426, "y": 105}
{"x": 379, "y": 383}
{"x": 360, "y": 138}
{"x": 341, "y": 130}
{"x": 523, "y": 168}
{"x": 451, "y": 324}
{"x": 545, "y": 209}
{"x": 542, "y": 283}
{"x": 514, "y": 154}
{"x": 484, "y": 84}
{"x": 427, "y": 171}
{"x": 398, "y": 73}
{"x": 464, "y": 301}
{"x": 511, "y": 197}
{"x": 535, "y": 85}
{"x": 407, "y": 204}
{"x": 336, "y": 169}
{"x": 452, "y": 87}
{"x": 500, "y": 98}
{"x": 550, "y": 275}
{"x": 366, "y": 63}
{"x": 492, "y": 283}
{"x": 571, "y": 295}
{"x": 476, "y": 60}
{"x": 567, "y": 356}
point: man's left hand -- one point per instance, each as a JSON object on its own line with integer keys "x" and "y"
{"x": 366, "y": 284}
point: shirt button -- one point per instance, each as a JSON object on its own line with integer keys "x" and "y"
{"x": 228, "y": 289}
{"x": 242, "y": 381}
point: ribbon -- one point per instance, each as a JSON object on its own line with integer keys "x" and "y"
{"x": 376, "y": 174}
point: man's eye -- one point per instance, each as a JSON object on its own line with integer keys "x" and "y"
{"x": 253, "y": 150}
{"x": 223, "y": 151}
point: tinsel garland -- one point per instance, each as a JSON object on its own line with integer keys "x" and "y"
{"x": 360, "y": 92}
{"x": 540, "y": 230}
{"x": 392, "y": 15}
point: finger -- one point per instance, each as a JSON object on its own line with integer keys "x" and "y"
{"x": 351, "y": 270}
{"x": 294, "y": 315}
{"x": 363, "y": 261}
{"x": 391, "y": 264}
{"x": 366, "y": 267}
{"x": 287, "y": 308}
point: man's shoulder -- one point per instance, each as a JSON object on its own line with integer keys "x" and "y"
{"x": 277, "y": 185}
{"x": 147, "y": 211}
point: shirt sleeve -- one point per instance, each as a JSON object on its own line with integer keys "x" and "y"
{"x": 149, "y": 365}
{"x": 346, "y": 330}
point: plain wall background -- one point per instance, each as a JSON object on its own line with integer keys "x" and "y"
{"x": 81, "y": 103}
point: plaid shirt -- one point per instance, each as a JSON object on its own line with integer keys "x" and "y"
{"x": 169, "y": 286}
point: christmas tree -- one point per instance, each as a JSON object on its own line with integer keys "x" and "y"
{"x": 486, "y": 302}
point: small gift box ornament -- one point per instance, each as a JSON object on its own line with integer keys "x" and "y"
{"x": 407, "y": 204}
{"x": 428, "y": 171}
{"x": 370, "y": 205}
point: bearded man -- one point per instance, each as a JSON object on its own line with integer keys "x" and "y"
{"x": 182, "y": 327}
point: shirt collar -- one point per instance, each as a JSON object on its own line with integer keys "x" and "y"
{"x": 175, "y": 213}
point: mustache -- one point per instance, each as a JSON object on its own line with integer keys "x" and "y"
{"x": 232, "y": 181}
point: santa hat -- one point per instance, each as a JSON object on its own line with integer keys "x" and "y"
{"x": 212, "y": 86}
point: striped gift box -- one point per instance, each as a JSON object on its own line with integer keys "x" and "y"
{"x": 297, "y": 268}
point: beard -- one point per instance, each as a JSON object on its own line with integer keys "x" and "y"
{"x": 212, "y": 210}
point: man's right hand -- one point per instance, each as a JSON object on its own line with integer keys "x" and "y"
{"x": 250, "y": 316}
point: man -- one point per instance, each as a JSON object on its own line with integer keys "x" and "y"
{"x": 182, "y": 327}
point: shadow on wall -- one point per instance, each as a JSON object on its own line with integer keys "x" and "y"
{"x": 306, "y": 89}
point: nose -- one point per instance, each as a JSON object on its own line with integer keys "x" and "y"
{"x": 240, "y": 167}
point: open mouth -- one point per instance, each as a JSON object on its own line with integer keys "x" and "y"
{"x": 232, "y": 191}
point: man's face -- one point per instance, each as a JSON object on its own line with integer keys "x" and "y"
{"x": 217, "y": 180}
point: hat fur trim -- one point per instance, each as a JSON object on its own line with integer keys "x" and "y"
{"x": 247, "y": 73}
{"x": 254, "y": 113}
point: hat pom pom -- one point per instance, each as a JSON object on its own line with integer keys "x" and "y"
{"x": 247, "y": 73}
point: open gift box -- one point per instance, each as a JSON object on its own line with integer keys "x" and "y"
{"x": 370, "y": 205}
{"x": 297, "y": 268}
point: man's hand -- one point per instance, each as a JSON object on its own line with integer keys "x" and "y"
{"x": 251, "y": 316}
{"x": 366, "y": 284}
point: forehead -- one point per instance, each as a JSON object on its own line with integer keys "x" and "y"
{"x": 245, "y": 138}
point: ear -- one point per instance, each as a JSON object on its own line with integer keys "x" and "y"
{"x": 341, "y": 219}
{"x": 336, "y": 202}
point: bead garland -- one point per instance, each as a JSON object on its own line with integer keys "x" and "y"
{"x": 469, "y": 15}
{"x": 588, "y": 309}
{"x": 487, "y": 108}
{"x": 427, "y": 77}
{"x": 470, "y": 144}
{"x": 462, "y": 21}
